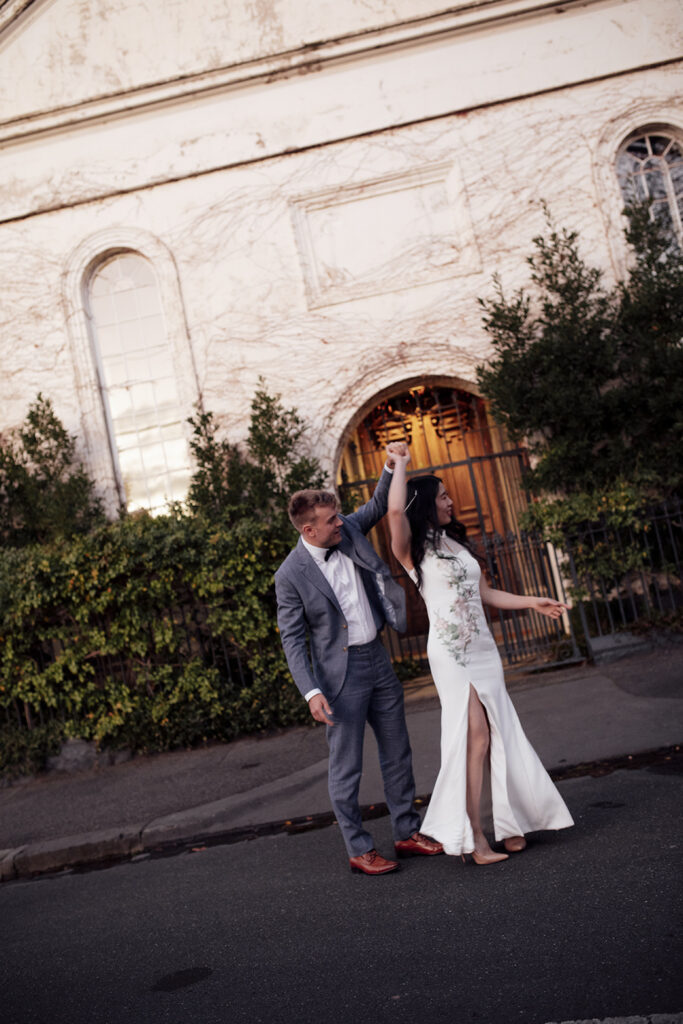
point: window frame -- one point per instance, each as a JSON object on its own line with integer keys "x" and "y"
{"x": 673, "y": 136}
{"x": 96, "y": 426}
{"x": 644, "y": 118}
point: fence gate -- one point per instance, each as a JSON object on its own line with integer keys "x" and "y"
{"x": 451, "y": 435}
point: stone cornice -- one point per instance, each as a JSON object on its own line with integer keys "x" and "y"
{"x": 10, "y": 10}
{"x": 464, "y": 17}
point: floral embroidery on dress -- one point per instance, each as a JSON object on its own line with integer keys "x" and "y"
{"x": 462, "y": 626}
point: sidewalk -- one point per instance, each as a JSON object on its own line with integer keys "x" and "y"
{"x": 258, "y": 785}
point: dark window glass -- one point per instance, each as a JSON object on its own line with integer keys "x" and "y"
{"x": 650, "y": 168}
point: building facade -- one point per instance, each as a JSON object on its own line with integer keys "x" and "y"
{"x": 200, "y": 194}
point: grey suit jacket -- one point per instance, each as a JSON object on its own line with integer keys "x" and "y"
{"x": 312, "y": 627}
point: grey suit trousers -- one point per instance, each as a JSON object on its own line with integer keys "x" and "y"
{"x": 370, "y": 693}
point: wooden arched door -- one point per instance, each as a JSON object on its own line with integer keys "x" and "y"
{"x": 450, "y": 434}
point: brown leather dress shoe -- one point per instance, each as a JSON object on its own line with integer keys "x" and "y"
{"x": 417, "y": 845}
{"x": 372, "y": 863}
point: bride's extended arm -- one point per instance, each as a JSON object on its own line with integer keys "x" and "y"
{"x": 507, "y": 602}
{"x": 399, "y": 527}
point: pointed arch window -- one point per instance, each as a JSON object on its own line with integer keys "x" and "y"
{"x": 650, "y": 169}
{"x": 138, "y": 382}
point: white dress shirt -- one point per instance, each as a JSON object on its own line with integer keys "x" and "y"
{"x": 343, "y": 576}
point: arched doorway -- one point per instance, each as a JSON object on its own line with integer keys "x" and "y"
{"x": 452, "y": 434}
{"x": 449, "y": 433}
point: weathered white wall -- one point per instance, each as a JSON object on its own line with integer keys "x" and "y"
{"x": 348, "y": 265}
{"x": 481, "y": 55}
{"x": 80, "y": 49}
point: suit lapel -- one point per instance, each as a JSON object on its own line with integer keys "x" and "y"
{"x": 346, "y": 547}
{"x": 313, "y": 574}
{"x": 364, "y": 556}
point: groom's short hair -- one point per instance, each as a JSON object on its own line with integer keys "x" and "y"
{"x": 303, "y": 504}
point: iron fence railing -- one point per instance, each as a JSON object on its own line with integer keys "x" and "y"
{"x": 601, "y": 605}
{"x": 519, "y": 563}
{"x": 611, "y": 602}
{"x": 525, "y": 564}
{"x": 193, "y": 638}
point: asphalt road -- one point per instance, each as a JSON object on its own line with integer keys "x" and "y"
{"x": 584, "y": 924}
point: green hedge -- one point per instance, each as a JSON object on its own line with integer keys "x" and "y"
{"x": 148, "y": 633}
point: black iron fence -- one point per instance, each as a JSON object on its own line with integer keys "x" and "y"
{"x": 610, "y": 601}
{"x": 524, "y": 564}
{"x": 601, "y": 605}
{"x": 193, "y": 639}
{"x": 519, "y": 563}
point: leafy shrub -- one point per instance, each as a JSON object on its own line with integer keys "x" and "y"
{"x": 231, "y": 484}
{"x": 149, "y": 633}
{"x": 408, "y": 668}
{"x": 158, "y": 632}
{"x": 25, "y": 751}
{"x": 592, "y": 378}
{"x": 606, "y": 531}
{"x": 44, "y": 491}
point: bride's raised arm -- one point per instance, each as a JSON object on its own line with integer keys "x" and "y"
{"x": 399, "y": 528}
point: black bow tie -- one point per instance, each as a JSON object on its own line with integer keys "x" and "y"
{"x": 331, "y": 551}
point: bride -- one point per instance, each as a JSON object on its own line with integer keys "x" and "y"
{"x": 477, "y": 715}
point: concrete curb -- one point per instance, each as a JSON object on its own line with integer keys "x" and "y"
{"x": 202, "y": 826}
{"x": 7, "y": 858}
{"x": 71, "y": 851}
{"x": 244, "y": 810}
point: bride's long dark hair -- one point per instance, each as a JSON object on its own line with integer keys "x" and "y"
{"x": 425, "y": 529}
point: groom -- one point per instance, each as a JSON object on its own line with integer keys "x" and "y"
{"x": 334, "y": 594}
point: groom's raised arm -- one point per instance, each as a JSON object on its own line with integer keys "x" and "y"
{"x": 365, "y": 517}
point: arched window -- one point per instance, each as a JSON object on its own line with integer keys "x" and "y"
{"x": 137, "y": 382}
{"x": 650, "y": 168}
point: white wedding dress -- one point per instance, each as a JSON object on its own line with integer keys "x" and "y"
{"x": 461, "y": 651}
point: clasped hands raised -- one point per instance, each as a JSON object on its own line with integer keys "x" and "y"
{"x": 397, "y": 450}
